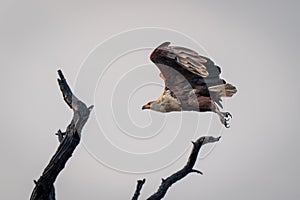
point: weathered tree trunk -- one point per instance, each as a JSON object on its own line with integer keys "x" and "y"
{"x": 44, "y": 187}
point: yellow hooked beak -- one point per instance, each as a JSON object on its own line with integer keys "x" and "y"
{"x": 147, "y": 106}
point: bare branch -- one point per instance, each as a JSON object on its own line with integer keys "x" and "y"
{"x": 138, "y": 189}
{"x": 197, "y": 171}
{"x": 188, "y": 168}
{"x": 44, "y": 188}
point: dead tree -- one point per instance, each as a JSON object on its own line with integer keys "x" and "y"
{"x": 44, "y": 186}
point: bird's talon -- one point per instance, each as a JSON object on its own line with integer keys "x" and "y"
{"x": 228, "y": 115}
{"x": 226, "y": 124}
{"x": 225, "y": 119}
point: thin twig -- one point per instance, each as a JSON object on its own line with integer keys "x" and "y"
{"x": 138, "y": 189}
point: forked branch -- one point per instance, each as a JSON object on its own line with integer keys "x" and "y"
{"x": 44, "y": 188}
{"x": 188, "y": 168}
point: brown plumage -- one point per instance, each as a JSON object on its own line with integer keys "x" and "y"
{"x": 192, "y": 82}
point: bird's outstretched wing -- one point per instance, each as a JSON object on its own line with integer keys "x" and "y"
{"x": 185, "y": 72}
{"x": 198, "y": 69}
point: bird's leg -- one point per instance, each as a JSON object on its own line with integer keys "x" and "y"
{"x": 224, "y": 116}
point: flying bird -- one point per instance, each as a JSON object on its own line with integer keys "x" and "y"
{"x": 192, "y": 82}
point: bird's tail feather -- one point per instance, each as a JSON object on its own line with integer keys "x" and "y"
{"x": 224, "y": 90}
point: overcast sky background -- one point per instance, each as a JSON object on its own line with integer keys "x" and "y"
{"x": 255, "y": 42}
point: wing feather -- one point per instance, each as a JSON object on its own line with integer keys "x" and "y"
{"x": 184, "y": 69}
{"x": 200, "y": 69}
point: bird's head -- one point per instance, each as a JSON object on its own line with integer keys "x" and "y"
{"x": 154, "y": 105}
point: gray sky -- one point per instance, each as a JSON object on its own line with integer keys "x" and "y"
{"x": 255, "y": 43}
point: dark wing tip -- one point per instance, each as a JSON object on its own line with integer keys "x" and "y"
{"x": 164, "y": 45}
{"x": 157, "y": 52}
